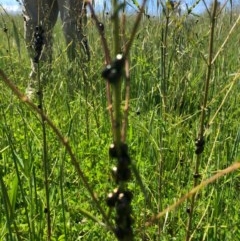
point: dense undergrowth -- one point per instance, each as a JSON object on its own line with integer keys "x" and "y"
{"x": 164, "y": 118}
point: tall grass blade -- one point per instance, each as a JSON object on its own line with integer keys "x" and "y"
{"x": 16, "y": 38}
{"x": 12, "y": 193}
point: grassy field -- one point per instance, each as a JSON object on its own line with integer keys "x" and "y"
{"x": 172, "y": 60}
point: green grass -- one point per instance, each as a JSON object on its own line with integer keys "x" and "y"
{"x": 160, "y": 136}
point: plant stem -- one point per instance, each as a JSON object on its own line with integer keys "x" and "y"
{"x": 235, "y": 166}
{"x": 202, "y": 119}
{"x": 116, "y": 87}
{"x": 44, "y": 155}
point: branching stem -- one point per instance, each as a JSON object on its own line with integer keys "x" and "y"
{"x": 202, "y": 119}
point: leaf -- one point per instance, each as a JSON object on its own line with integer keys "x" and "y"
{"x": 90, "y": 216}
{"x": 13, "y": 193}
{"x": 23, "y": 165}
{"x": 16, "y": 37}
{"x": 136, "y": 3}
{"x": 61, "y": 238}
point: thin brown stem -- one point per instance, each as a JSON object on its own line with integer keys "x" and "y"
{"x": 107, "y": 55}
{"x": 135, "y": 28}
{"x": 127, "y": 83}
{"x": 127, "y": 98}
{"x": 44, "y": 157}
{"x": 196, "y": 189}
{"x": 202, "y": 119}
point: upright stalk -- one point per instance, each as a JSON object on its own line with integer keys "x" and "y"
{"x": 164, "y": 54}
{"x": 5, "y": 30}
{"x": 200, "y": 139}
{"x": 116, "y": 87}
{"x": 163, "y": 93}
{"x": 121, "y": 197}
{"x": 44, "y": 157}
{"x": 38, "y": 46}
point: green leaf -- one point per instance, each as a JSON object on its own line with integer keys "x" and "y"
{"x": 16, "y": 37}
{"x": 61, "y": 238}
{"x": 13, "y": 193}
{"x": 136, "y": 3}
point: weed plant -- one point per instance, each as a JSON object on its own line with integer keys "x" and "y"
{"x": 168, "y": 66}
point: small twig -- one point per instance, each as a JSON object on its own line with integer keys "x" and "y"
{"x": 203, "y": 184}
{"x": 226, "y": 39}
{"x": 100, "y": 27}
{"x": 127, "y": 84}
{"x": 135, "y": 28}
{"x": 224, "y": 99}
{"x": 127, "y": 98}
